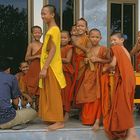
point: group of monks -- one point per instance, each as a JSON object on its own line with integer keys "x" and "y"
{"x": 74, "y": 70}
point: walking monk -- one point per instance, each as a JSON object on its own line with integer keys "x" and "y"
{"x": 52, "y": 77}
{"x": 66, "y": 54}
{"x": 89, "y": 93}
{"x": 80, "y": 41}
{"x": 118, "y": 121}
{"x": 33, "y": 57}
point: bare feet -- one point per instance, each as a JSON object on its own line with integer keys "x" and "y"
{"x": 55, "y": 126}
{"x": 66, "y": 117}
{"x": 132, "y": 135}
{"x": 96, "y": 126}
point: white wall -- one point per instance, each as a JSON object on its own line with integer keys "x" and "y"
{"x": 38, "y": 4}
{"x": 95, "y": 12}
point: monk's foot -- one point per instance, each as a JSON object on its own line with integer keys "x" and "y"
{"x": 48, "y": 123}
{"x": 96, "y": 127}
{"x": 132, "y": 137}
{"x": 66, "y": 117}
{"x": 55, "y": 126}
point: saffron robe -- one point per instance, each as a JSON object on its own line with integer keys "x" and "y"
{"x": 118, "y": 116}
{"x": 68, "y": 72}
{"x": 79, "y": 68}
{"x": 50, "y": 101}
{"x": 89, "y": 93}
{"x": 33, "y": 76}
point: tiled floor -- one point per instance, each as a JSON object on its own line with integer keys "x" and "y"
{"x": 73, "y": 130}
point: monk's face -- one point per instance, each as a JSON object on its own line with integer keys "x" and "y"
{"x": 37, "y": 33}
{"x": 95, "y": 37}
{"x": 81, "y": 27}
{"x": 46, "y": 15}
{"x": 74, "y": 31}
{"x": 24, "y": 67}
{"x": 115, "y": 40}
{"x": 65, "y": 39}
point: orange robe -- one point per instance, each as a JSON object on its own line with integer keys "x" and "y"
{"x": 22, "y": 82}
{"x": 50, "y": 101}
{"x": 79, "y": 67}
{"x": 51, "y": 108}
{"x": 33, "y": 76}
{"x": 118, "y": 116}
{"x": 89, "y": 93}
{"x": 68, "y": 72}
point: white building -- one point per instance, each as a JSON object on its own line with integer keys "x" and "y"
{"x": 106, "y": 15}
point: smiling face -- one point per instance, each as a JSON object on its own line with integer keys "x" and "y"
{"x": 65, "y": 38}
{"x": 74, "y": 31}
{"x": 36, "y": 33}
{"x": 95, "y": 37}
{"x": 24, "y": 66}
{"x": 116, "y": 40}
{"x": 81, "y": 27}
{"x": 47, "y": 15}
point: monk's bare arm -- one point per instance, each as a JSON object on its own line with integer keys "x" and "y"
{"x": 100, "y": 60}
{"x": 113, "y": 62}
{"x": 111, "y": 65}
{"x": 28, "y": 56}
{"x": 52, "y": 49}
{"x": 15, "y": 101}
{"x": 74, "y": 42}
{"x": 68, "y": 57}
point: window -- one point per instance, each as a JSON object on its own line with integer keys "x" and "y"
{"x": 123, "y": 18}
{"x": 14, "y": 29}
{"x": 66, "y": 12}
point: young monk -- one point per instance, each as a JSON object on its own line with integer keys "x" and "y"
{"x": 66, "y": 54}
{"x": 33, "y": 57}
{"x": 22, "y": 82}
{"x": 52, "y": 77}
{"x": 80, "y": 43}
{"x": 73, "y": 31}
{"x": 89, "y": 93}
{"x": 118, "y": 121}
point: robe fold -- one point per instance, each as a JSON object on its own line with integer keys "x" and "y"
{"x": 50, "y": 101}
{"x": 89, "y": 94}
{"x": 33, "y": 76}
{"x": 118, "y": 116}
{"x": 79, "y": 66}
{"x": 68, "y": 72}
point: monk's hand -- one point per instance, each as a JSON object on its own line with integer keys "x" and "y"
{"x": 95, "y": 59}
{"x": 86, "y": 60}
{"x": 105, "y": 69}
{"x": 38, "y": 56}
{"x": 43, "y": 73}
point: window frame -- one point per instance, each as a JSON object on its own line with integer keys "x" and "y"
{"x": 135, "y": 29}
{"x": 30, "y": 6}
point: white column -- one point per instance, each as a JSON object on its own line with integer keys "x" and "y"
{"x": 81, "y": 8}
{"x": 38, "y": 4}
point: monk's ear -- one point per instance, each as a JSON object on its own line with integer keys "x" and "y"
{"x": 53, "y": 15}
{"x": 122, "y": 40}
